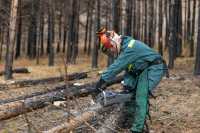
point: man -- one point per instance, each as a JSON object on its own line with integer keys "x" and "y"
{"x": 143, "y": 67}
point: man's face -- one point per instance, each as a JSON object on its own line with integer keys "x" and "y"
{"x": 114, "y": 39}
{"x": 111, "y": 39}
{"x": 112, "y": 52}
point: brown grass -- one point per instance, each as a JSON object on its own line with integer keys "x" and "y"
{"x": 42, "y": 70}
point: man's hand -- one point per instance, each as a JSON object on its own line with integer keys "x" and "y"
{"x": 100, "y": 86}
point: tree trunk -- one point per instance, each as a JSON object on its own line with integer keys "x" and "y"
{"x": 40, "y": 43}
{"x": 76, "y": 31}
{"x": 96, "y": 41}
{"x": 166, "y": 8}
{"x": 50, "y": 33}
{"x": 32, "y": 33}
{"x": 178, "y": 28}
{"x": 59, "y": 31}
{"x": 193, "y": 29}
{"x": 160, "y": 21}
{"x": 116, "y": 9}
{"x": 90, "y": 31}
{"x": 11, "y": 40}
{"x": 64, "y": 38}
{"x": 134, "y": 20}
{"x": 129, "y": 8}
{"x": 72, "y": 31}
{"x": 185, "y": 22}
{"x": 138, "y": 21}
{"x": 19, "y": 30}
{"x": 86, "y": 27}
{"x": 1, "y": 43}
{"x": 145, "y": 21}
{"x": 197, "y": 61}
{"x": 172, "y": 35}
{"x": 150, "y": 22}
{"x": 42, "y": 32}
{"x": 188, "y": 23}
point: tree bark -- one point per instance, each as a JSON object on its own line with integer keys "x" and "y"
{"x": 166, "y": 8}
{"x": 11, "y": 40}
{"x": 188, "y": 23}
{"x": 129, "y": 8}
{"x": 90, "y": 31}
{"x": 193, "y": 29}
{"x": 134, "y": 20}
{"x": 116, "y": 18}
{"x": 86, "y": 27}
{"x": 96, "y": 41}
{"x": 160, "y": 21}
{"x": 41, "y": 32}
{"x": 76, "y": 30}
{"x": 197, "y": 61}
{"x": 172, "y": 35}
{"x": 19, "y": 31}
{"x": 150, "y": 22}
{"x": 51, "y": 33}
{"x": 178, "y": 28}
{"x": 1, "y": 44}
{"x": 38, "y": 46}
{"x": 59, "y": 31}
{"x": 73, "y": 26}
{"x": 32, "y": 32}
{"x": 145, "y": 21}
{"x": 138, "y": 21}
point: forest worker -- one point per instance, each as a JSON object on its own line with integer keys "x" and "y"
{"x": 143, "y": 67}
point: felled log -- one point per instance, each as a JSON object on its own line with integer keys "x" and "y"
{"x": 33, "y": 94}
{"x": 16, "y": 70}
{"x": 70, "y": 77}
{"x": 118, "y": 79}
{"x": 16, "y": 108}
{"x": 72, "y": 123}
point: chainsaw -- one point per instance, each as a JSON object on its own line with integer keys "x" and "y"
{"x": 108, "y": 98}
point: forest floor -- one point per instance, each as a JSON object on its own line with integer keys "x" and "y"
{"x": 176, "y": 108}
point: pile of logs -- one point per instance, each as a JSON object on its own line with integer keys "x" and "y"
{"x": 19, "y": 106}
{"x": 14, "y": 107}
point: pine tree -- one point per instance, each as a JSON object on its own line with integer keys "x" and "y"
{"x": 11, "y": 40}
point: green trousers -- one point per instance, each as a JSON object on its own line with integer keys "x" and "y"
{"x": 137, "y": 109}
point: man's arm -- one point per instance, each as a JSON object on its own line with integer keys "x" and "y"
{"x": 120, "y": 64}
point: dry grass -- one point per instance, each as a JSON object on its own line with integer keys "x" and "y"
{"x": 175, "y": 110}
{"x": 42, "y": 70}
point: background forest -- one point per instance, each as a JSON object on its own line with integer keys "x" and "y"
{"x": 36, "y": 28}
{"x": 45, "y": 44}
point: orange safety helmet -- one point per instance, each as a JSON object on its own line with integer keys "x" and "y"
{"x": 104, "y": 38}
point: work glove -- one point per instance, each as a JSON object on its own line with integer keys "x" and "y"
{"x": 100, "y": 86}
{"x": 127, "y": 89}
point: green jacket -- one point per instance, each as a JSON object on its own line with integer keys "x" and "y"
{"x": 133, "y": 56}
